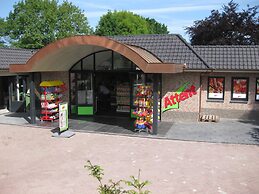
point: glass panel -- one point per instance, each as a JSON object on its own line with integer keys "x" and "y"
{"x": 257, "y": 90}
{"x": 73, "y": 88}
{"x": 88, "y": 63}
{"x": 216, "y": 88}
{"x": 85, "y": 89}
{"x": 103, "y": 60}
{"x": 77, "y": 66}
{"x": 121, "y": 62}
{"x": 18, "y": 90}
{"x": 239, "y": 88}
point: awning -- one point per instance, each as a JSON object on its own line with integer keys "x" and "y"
{"x": 62, "y": 54}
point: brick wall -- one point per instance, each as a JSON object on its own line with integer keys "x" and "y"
{"x": 189, "y": 108}
{"x": 59, "y": 75}
{"x": 228, "y": 108}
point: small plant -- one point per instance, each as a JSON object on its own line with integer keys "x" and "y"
{"x": 115, "y": 187}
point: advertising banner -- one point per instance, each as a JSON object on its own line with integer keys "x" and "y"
{"x": 216, "y": 88}
{"x": 63, "y": 117}
{"x": 257, "y": 89}
{"x": 240, "y": 88}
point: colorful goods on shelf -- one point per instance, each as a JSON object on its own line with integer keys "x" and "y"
{"x": 51, "y": 96}
{"x": 144, "y": 108}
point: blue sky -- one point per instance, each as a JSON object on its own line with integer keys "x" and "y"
{"x": 176, "y": 14}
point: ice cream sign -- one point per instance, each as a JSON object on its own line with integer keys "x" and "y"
{"x": 172, "y": 99}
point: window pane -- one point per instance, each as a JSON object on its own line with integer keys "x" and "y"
{"x": 85, "y": 89}
{"x": 216, "y": 88}
{"x": 73, "y": 88}
{"x": 77, "y": 66}
{"x": 257, "y": 89}
{"x": 103, "y": 60}
{"x": 121, "y": 62}
{"x": 239, "y": 88}
{"x": 88, "y": 63}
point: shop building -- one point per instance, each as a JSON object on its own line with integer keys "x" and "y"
{"x": 101, "y": 75}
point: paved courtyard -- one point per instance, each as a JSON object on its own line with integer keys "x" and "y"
{"x": 33, "y": 162}
{"x": 226, "y": 131}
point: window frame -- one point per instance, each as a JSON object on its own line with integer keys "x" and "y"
{"x": 232, "y": 89}
{"x": 208, "y": 85}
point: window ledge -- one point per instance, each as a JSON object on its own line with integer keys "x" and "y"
{"x": 215, "y": 100}
{"x": 239, "y": 101}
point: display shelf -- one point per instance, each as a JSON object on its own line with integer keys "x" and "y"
{"x": 50, "y": 98}
{"x": 143, "y": 103}
{"x": 123, "y": 97}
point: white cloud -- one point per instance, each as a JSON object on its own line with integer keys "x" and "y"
{"x": 94, "y": 14}
{"x": 95, "y": 6}
{"x": 174, "y": 9}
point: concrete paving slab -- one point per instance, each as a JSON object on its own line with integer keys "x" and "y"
{"x": 33, "y": 162}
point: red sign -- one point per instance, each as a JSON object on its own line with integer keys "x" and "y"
{"x": 176, "y": 98}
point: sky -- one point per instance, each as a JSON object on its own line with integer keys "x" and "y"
{"x": 175, "y": 14}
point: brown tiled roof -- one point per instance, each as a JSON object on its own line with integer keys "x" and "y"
{"x": 169, "y": 48}
{"x": 230, "y": 57}
{"x": 14, "y": 56}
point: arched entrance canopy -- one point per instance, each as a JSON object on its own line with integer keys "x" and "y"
{"x": 62, "y": 54}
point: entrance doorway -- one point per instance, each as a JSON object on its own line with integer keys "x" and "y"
{"x": 4, "y": 92}
{"x": 113, "y": 93}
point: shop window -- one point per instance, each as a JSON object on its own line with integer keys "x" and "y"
{"x": 239, "y": 89}
{"x": 88, "y": 63}
{"x": 216, "y": 88}
{"x": 257, "y": 89}
{"x": 77, "y": 66}
{"x": 103, "y": 60}
{"x": 121, "y": 62}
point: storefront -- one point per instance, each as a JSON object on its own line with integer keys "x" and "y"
{"x": 105, "y": 76}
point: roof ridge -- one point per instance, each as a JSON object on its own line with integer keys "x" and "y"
{"x": 193, "y": 50}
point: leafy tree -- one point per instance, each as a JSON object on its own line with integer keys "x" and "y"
{"x": 125, "y": 23}
{"x": 156, "y": 27}
{"x": 36, "y": 23}
{"x": 2, "y": 30}
{"x": 229, "y": 27}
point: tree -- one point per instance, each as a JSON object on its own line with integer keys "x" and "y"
{"x": 156, "y": 27}
{"x": 227, "y": 28}
{"x": 125, "y": 23}
{"x": 36, "y": 23}
{"x": 2, "y": 30}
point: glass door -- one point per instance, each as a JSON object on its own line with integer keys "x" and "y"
{"x": 81, "y": 92}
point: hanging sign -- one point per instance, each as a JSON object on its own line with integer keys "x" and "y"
{"x": 63, "y": 117}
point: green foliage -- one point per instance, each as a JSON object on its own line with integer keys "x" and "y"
{"x": 156, "y": 27}
{"x": 137, "y": 184}
{"x": 36, "y": 23}
{"x": 115, "y": 187}
{"x": 2, "y": 32}
{"x": 127, "y": 23}
{"x": 229, "y": 27}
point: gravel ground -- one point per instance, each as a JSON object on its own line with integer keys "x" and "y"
{"x": 33, "y": 162}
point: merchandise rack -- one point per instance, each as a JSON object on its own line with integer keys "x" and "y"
{"x": 50, "y": 98}
{"x": 143, "y": 108}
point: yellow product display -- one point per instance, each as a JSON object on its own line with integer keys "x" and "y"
{"x": 51, "y": 83}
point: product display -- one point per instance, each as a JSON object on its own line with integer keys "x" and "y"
{"x": 50, "y": 98}
{"x": 123, "y": 97}
{"x": 143, "y": 108}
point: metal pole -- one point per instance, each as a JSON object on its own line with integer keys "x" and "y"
{"x": 155, "y": 103}
{"x": 32, "y": 99}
